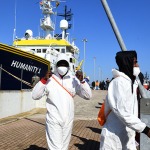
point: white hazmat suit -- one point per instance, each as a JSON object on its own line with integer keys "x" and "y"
{"x": 60, "y": 106}
{"x": 118, "y": 133}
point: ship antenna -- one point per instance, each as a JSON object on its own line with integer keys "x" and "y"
{"x": 67, "y": 16}
{"x": 55, "y": 20}
{"x": 46, "y": 23}
{"x": 14, "y": 34}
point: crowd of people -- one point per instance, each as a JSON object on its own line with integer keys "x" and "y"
{"x": 100, "y": 85}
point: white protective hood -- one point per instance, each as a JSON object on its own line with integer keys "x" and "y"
{"x": 117, "y": 73}
{"x": 61, "y": 56}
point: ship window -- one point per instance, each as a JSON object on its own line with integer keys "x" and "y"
{"x": 57, "y": 49}
{"x": 71, "y": 60}
{"x": 44, "y": 50}
{"x": 38, "y": 50}
{"x": 67, "y": 50}
{"x": 33, "y": 49}
{"x": 63, "y": 50}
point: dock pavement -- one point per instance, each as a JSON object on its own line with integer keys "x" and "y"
{"x": 26, "y": 131}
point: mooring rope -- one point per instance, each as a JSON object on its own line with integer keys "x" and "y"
{"x": 23, "y": 81}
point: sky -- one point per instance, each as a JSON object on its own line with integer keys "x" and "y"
{"x": 89, "y": 22}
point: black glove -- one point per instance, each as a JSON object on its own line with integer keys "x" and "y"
{"x": 146, "y": 131}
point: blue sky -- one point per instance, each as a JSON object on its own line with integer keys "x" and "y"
{"x": 89, "y": 21}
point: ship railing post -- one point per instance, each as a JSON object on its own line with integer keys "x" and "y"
{"x": 21, "y": 77}
{"x": 0, "y": 75}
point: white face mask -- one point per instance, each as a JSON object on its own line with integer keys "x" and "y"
{"x": 62, "y": 70}
{"x": 136, "y": 71}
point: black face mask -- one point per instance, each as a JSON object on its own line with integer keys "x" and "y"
{"x": 124, "y": 60}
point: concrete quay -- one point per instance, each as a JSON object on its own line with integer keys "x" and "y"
{"x": 26, "y": 131}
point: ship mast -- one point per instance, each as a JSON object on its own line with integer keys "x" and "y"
{"x": 46, "y": 23}
{"x": 67, "y": 16}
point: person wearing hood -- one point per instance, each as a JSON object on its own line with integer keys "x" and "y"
{"x": 60, "y": 88}
{"x": 118, "y": 133}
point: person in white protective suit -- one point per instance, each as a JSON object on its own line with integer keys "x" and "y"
{"x": 118, "y": 133}
{"x": 60, "y": 88}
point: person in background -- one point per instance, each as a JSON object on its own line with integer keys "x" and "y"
{"x": 93, "y": 85}
{"x": 107, "y": 83}
{"x": 60, "y": 88}
{"x": 100, "y": 85}
{"x": 118, "y": 133}
{"x": 96, "y": 85}
{"x": 35, "y": 79}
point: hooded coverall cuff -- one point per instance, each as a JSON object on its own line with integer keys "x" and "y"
{"x": 43, "y": 81}
{"x": 146, "y": 130}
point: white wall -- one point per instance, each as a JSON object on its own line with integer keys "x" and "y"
{"x": 15, "y": 102}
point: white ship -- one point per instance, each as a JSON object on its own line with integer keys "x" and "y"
{"x": 51, "y": 45}
{"x": 29, "y": 54}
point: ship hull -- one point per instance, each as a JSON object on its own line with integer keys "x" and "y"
{"x": 17, "y": 68}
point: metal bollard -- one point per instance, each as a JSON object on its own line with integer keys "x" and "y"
{"x": 145, "y": 117}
